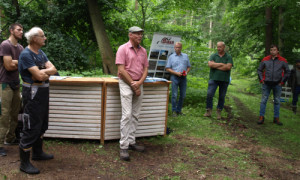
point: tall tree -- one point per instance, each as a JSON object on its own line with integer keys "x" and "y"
{"x": 108, "y": 58}
{"x": 269, "y": 27}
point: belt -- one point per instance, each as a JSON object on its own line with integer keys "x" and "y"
{"x": 43, "y": 84}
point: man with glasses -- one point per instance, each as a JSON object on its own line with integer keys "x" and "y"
{"x": 35, "y": 70}
{"x": 132, "y": 63}
{"x": 10, "y": 97}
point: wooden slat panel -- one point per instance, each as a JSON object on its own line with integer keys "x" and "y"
{"x": 83, "y": 87}
{"x": 72, "y": 136}
{"x": 76, "y": 96}
{"x": 155, "y": 88}
{"x": 59, "y": 132}
{"x": 158, "y": 97}
{"x": 78, "y": 121}
{"x": 74, "y": 129}
{"x": 154, "y": 100}
{"x": 75, "y": 112}
{"x": 81, "y": 104}
{"x": 74, "y": 116}
{"x": 75, "y": 108}
{"x": 145, "y": 104}
{"x": 90, "y": 92}
{"x": 76, "y": 100}
{"x": 74, "y": 124}
{"x": 154, "y": 92}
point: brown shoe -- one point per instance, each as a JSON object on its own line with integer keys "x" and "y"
{"x": 208, "y": 113}
{"x": 276, "y": 121}
{"x": 124, "y": 155}
{"x": 136, "y": 147}
{"x": 261, "y": 120}
{"x": 219, "y": 113}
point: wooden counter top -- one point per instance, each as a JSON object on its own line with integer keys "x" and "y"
{"x": 97, "y": 80}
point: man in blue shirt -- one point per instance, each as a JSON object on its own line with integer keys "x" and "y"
{"x": 178, "y": 65}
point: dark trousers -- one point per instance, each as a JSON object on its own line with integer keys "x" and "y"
{"x": 212, "y": 87}
{"x": 295, "y": 95}
{"x": 36, "y": 114}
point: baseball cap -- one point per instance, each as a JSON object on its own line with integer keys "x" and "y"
{"x": 135, "y": 29}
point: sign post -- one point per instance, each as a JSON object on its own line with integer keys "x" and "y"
{"x": 162, "y": 47}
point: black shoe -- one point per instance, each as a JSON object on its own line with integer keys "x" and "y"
{"x": 136, "y": 147}
{"x": 261, "y": 120}
{"x": 2, "y": 152}
{"x": 124, "y": 155}
{"x": 276, "y": 121}
{"x": 38, "y": 153}
{"x": 26, "y": 166}
{"x": 15, "y": 142}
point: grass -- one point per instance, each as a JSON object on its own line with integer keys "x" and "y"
{"x": 205, "y": 147}
{"x": 286, "y": 137}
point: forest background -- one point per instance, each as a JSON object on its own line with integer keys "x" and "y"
{"x": 82, "y": 39}
{"x": 83, "y": 36}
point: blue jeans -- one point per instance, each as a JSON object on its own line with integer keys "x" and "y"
{"x": 266, "y": 89}
{"x": 181, "y": 83}
{"x": 295, "y": 95}
{"x": 212, "y": 87}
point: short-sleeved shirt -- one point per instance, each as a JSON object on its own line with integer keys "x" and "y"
{"x": 178, "y": 63}
{"x": 134, "y": 62}
{"x": 219, "y": 75}
{"x": 29, "y": 59}
{"x": 8, "y": 49}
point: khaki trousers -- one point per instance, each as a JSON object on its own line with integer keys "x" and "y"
{"x": 131, "y": 108}
{"x": 10, "y": 106}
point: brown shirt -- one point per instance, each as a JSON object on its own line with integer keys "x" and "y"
{"x": 8, "y": 49}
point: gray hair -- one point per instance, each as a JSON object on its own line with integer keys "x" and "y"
{"x": 221, "y": 43}
{"x": 32, "y": 32}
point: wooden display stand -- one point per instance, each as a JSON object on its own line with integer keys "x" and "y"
{"x": 90, "y": 108}
{"x": 75, "y": 108}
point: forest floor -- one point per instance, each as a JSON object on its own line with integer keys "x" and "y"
{"x": 181, "y": 157}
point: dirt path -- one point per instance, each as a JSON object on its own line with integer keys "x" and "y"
{"x": 187, "y": 158}
{"x": 270, "y": 166}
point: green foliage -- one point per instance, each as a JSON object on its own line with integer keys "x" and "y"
{"x": 66, "y": 52}
{"x": 89, "y": 73}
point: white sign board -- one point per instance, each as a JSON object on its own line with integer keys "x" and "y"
{"x": 162, "y": 47}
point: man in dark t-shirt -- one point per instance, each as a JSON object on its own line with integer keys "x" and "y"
{"x": 35, "y": 70}
{"x": 10, "y": 102}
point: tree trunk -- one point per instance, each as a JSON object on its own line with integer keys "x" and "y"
{"x": 16, "y": 4}
{"x": 280, "y": 26}
{"x": 107, "y": 55}
{"x": 269, "y": 25}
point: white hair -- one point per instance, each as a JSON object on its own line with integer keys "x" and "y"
{"x": 32, "y": 32}
{"x": 221, "y": 42}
